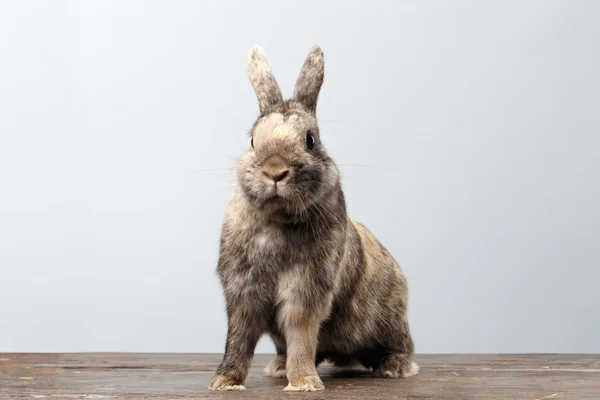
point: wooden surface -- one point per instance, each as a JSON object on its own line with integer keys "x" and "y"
{"x": 186, "y": 376}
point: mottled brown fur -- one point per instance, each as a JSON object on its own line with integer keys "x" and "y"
{"x": 292, "y": 264}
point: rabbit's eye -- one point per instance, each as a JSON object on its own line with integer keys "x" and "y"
{"x": 252, "y": 142}
{"x": 310, "y": 141}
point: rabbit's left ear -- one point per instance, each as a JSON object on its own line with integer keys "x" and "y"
{"x": 264, "y": 83}
{"x": 310, "y": 80}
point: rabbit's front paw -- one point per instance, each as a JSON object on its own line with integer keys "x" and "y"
{"x": 305, "y": 384}
{"x": 223, "y": 382}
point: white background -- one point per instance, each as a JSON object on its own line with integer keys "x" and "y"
{"x": 476, "y": 125}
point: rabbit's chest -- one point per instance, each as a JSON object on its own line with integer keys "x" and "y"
{"x": 267, "y": 249}
{"x": 268, "y": 256}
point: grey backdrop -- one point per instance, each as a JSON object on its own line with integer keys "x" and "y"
{"x": 472, "y": 128}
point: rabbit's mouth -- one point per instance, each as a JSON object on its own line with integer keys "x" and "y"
{"x": 275, "y": 204}
{"x": 275, "y": 194}
{"x": 274, "y": 201}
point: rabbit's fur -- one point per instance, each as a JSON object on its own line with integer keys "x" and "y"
{"x": 292, "y": 264}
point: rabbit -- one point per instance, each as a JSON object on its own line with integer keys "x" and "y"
{"x": 292, "y": 264}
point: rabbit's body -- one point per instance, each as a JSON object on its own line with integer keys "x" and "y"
{"x": 293, "y": 265}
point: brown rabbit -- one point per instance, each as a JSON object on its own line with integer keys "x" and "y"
{"x": 292, "y": 264}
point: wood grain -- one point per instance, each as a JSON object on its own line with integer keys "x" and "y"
{"x": 186, "y": 376}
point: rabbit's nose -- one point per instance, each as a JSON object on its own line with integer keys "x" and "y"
{"x": 275, "y": 169}
{"x": 277, "y": 175}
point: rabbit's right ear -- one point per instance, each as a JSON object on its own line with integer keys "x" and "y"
{"x": 310, "y": 79}
{"x": 263, "y": 81}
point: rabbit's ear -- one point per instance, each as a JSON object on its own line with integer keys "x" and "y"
{"x": 310, "y": 79}
{"x": 263, "y": 81}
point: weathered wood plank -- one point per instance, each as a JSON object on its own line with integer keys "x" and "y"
{"x": 182, "y": 376}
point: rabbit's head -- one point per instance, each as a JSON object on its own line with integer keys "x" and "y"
{"x": 286, "y": 169}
